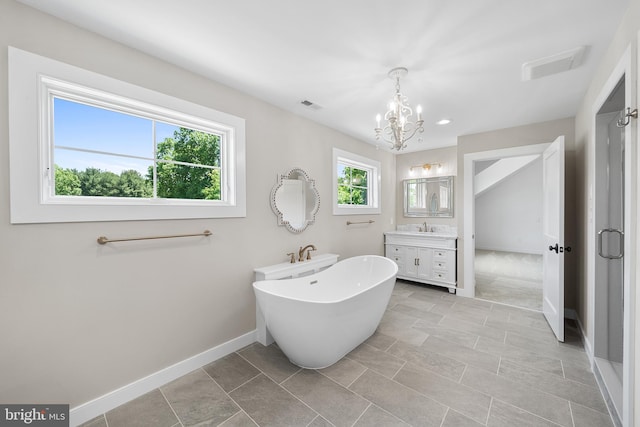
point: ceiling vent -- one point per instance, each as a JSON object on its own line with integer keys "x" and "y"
{"x": 553, "y": 64}
{"x": 310, "y": 105}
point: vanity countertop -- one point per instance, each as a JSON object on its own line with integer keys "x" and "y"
{"x": 435, "y": 235}
{"x": 288, "y": 269}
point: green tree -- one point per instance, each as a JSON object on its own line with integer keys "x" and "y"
{"x": 352, "y": 186}
{"x": 95, "y": 182}
{"x": 212, "y": 192}
{"x": 179, "y": 181}
{"x": 133, "y": 184}
{"x": 67, "y": 182}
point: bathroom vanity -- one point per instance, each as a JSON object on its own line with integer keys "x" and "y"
{"x": 424, "y": 257}
{"x": 290, "y": 270}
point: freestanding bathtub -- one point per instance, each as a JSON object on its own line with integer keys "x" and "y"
{"x": 318, "y": 319}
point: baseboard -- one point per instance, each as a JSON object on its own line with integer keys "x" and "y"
{"x": 465, "y": 292}
{"x": 515, "y": 249}
{"x": 570, "y": 313}
{"x": 588, "y": 348}
{"x": 113, "y": 399}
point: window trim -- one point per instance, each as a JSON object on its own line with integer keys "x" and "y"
{"x": 360, "y": 162}
{"x": 34, "y": 79}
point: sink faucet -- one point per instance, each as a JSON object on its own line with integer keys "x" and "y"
{"x": 301, "y": 252}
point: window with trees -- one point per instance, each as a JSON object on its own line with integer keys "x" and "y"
{"x": 356, "y": 184}
{"x": 86, "y": 147}
{"x": 107, "y": 153}
{"x": 353, "y": 186}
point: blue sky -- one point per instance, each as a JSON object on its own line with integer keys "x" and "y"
{"x": 82, "y": 126}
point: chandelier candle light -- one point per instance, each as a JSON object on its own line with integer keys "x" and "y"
{"x": 399, "y": 128}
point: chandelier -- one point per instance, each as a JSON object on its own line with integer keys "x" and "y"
{"x": 398, "y": 125}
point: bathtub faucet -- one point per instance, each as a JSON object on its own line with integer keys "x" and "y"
{"x": 301, "y": 252}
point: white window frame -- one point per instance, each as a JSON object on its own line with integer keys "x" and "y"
{"x": 373, "y": 196}
{"x": 34, "y": 81}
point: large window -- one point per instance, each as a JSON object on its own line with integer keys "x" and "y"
{"x": 102, "y": 149}
{"x": 356, "y": 184}
{"x": 107, "y": 153}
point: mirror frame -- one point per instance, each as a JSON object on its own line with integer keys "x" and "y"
{"x": 296, "y": 173}
{"x": 426, "y": 213}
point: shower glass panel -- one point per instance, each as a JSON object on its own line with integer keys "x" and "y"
{"x": 612, "y": 245}
{"x": 609, "y": 258}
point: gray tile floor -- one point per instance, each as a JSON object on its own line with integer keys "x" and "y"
{"x": 436, "y": 360}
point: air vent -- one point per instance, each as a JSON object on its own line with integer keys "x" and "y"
{"x": 310, "y": 105}
{"x": 553, "y": 64}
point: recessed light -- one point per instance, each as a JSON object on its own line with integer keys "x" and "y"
{"x": 443, "y": 122}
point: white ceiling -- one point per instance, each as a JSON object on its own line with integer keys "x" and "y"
{"x": 464, "y": 56}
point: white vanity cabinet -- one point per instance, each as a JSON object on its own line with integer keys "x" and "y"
{"x": 423, "y": 257}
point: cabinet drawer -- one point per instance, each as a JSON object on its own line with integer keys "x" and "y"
{"x": 443, "y": 276}
{"x": 398, "y": 259}
{"x": 440, "y": 275}
{"x": 394, "y": 250}
{"x": 396, "y": 253}
{"x": 439, "y": 264}
{"x": 439, "y": 254}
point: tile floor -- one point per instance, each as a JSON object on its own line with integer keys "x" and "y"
{"x": 436, "y": 360}
{"x": 509, "y": 278}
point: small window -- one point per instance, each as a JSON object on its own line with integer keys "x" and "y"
{"x": 85, "y": 147}
{"x": 353, "y": 187}
{"x": 356, "y": 184}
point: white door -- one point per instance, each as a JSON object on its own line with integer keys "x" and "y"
{"x": 553, "y": 234}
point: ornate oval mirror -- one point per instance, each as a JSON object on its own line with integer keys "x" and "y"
{"x": 295, "y": 200}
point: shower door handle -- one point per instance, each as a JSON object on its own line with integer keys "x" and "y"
{"x": 611, "y": 230}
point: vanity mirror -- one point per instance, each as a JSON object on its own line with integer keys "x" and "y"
{"x": 295, "y": 200}
{"x": 428, "y": 197}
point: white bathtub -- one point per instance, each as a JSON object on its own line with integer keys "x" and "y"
{"x": 317, "y": 319}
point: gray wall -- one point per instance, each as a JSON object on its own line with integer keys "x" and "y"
{"x": 78, "y": 320}
{"x": 509, "y": 215}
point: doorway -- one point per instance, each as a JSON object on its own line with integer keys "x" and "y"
{"x": 553, "y": 180}
{"x": 612, "y": 240}
{"x": 609, "y": 257}
{"x": 508, "y": 238}
{"x": 469, "y": 222}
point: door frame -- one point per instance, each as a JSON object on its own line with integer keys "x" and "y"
{"x": 624, "y": 69}
{"x": 469, "y": 213}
